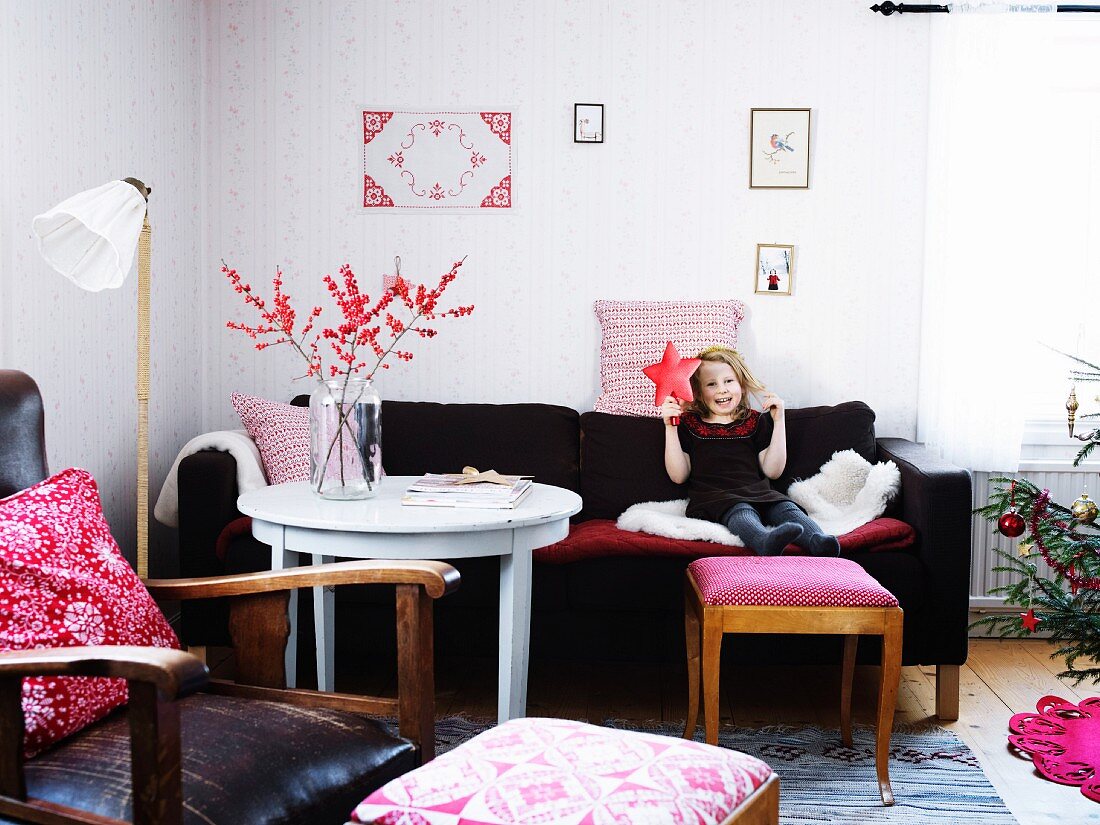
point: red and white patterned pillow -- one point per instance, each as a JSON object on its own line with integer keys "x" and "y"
{"x": 555, "y": 770}
{"x": 64, "y": 583}
{"x": 281, "y": 433}
{"x": 635, "y": 334}
{"x": 787, "y": 581}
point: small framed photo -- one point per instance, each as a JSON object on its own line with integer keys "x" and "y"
{"x": 774, "y": 268}
{"x": 779, "y": 149}
{"x": 588, "y": 123}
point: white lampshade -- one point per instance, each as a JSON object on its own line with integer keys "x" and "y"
{"x": 91, "y": 237}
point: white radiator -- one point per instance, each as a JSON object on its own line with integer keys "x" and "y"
{"x": 1065, "y": 486}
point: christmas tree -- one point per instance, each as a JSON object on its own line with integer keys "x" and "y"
{"x": 1066, "y": 604}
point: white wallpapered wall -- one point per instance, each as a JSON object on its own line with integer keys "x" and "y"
{"x": 662, "y": 209}
{"x": 91, "y": 92}
{"x": 243, "y": 117}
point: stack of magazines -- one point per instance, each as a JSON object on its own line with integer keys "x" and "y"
{"x": 450, "y": 490}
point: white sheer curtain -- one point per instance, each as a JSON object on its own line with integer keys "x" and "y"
{"x": 1010, "y": 228}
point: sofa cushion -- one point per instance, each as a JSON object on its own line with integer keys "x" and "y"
{"x": 539, "y": 440}
{"x": 64, "y": 583}
{"x": 243, "y": 762}
{"x": 635, "y": 334}
{"x": 815, "y": 433}
{"x": 622, "y": 463}
{"x": 600, "y": 537}
{"x": 281, "y": 433}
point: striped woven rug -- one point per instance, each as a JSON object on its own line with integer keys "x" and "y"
{"x": 935, "y": 777}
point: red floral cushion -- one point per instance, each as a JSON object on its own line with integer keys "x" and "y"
{"x": 281, "y": 433}
{"x": 64, "y": 583}
{"x": 635, "y": 334}
{"x": 554, "y": 770}
{"x": 788, "y": 581}
{"x": 600, "y": 537}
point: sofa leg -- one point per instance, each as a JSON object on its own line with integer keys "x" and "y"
{"x": 947, "y": 692}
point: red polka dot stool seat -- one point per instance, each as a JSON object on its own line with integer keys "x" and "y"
{"x": 558, "y": 771}
{"x": 791, "y": 594}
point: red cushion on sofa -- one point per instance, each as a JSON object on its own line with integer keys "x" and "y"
{"x": 878, "y": 535}
{"x": 596, "y": 538}
{"x": 64, "y": 583}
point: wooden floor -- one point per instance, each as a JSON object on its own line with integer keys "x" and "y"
{"x": 1001, "y": 677}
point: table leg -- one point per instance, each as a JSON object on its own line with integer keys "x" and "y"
{"x": 281, "y": 559}
{"x": 515, "y": 634}
{"x": 324, "y": 599}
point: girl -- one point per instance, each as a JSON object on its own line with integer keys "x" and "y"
{"x": 727, "y": 452}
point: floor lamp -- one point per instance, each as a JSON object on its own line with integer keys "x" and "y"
{"x": 91, "y": 239}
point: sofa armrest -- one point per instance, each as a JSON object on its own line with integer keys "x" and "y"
{"x": 207, "y": 503}
{"x": 936, "y": 499}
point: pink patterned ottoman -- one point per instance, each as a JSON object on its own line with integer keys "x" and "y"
{"x": 557, "y": 771}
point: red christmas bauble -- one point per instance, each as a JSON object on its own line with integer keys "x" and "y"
{"x": 1011, "y": 524}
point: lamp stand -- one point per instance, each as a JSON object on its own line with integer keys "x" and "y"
{"x": 144, "y": 242}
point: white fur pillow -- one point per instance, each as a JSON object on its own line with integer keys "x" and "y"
{"x": 846, "y": 493}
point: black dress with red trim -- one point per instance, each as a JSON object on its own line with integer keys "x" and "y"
{"x": 725, "y": 463}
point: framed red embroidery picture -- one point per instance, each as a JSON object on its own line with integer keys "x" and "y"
{"x": 588, "y": 123}
{"x": 437, "y": 160}
{"x": 774, "y": 268}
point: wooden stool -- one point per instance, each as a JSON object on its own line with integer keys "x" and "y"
{"x": 554, "y": 770}
{"x": 791, "y": 594}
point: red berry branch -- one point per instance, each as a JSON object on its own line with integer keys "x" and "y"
{"x": 362, "y": 324}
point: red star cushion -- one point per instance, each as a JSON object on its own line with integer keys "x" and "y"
{"x": 672, "y": 375}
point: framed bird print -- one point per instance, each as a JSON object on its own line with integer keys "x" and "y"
{"x": 779, "y": 149}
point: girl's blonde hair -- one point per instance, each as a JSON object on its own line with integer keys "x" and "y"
{"x": 748, "y": 381}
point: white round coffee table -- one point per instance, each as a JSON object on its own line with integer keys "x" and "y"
{"x": 297, "y": 523}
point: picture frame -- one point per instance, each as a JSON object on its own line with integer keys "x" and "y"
{"x": 774, "y": 268}
{"x": 779, "y": 149}
{"x": 588, "y": 126}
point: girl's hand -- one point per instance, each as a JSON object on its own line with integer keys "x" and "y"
{"x": 772, "y": 403}
{"x": 671, "y": 409}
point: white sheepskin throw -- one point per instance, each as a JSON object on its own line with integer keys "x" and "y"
{"x": 666, "y": 518}
{"x": 848, "y": 492}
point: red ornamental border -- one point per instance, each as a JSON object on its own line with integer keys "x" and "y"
{"x": 1037, "y": 512}
{"x": 499, "y": 196}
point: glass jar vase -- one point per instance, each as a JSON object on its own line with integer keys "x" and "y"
{"x": 345, "y": 439}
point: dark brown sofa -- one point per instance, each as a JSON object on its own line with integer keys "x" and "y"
{"x": 602, "y": 604}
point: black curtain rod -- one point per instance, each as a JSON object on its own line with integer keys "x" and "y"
{"x": 889, "y": 8}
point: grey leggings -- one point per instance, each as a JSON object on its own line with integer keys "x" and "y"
{"x": 768, "y": 527}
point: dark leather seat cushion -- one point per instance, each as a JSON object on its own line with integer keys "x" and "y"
{"x": 243, "y": 762}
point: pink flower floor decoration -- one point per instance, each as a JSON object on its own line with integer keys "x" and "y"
{"x": 1063, "y": 740}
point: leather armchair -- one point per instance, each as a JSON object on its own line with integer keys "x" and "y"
{"x": 189, "y": 749}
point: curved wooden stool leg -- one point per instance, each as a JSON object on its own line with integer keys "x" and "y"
{"x": 847, "y": 671}
{"x": 694, "y": 661}
{"x": 712, "y": 655}
{"x": 887, "y": 699}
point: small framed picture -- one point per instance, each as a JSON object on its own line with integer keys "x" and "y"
{"x": 588, "y": 123}
{"x": 779, "y": 149}
{"x": 774, "y": 268}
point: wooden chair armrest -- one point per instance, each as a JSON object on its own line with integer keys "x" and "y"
{"x": 173, "y": 672}
{"x": 438, "y": 579}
